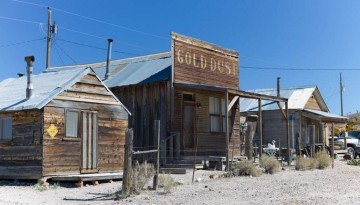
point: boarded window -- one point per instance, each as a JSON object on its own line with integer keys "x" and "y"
{"x": 5, "y": 129}
{"x": 72, "y": 121}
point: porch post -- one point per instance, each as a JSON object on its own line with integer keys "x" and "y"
{"x": 287, "y": 133}
{"x": 227, "y": 129}
{"x": 260, "y": 127}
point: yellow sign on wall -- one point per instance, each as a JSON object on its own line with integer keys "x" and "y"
{"x": 52, "y": 130}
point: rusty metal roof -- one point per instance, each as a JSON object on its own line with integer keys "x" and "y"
{"x": 46, "y": 86}
{"x": 130, "y": 71}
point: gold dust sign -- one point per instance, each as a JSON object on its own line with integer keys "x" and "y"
{"x": 206, "y": 63}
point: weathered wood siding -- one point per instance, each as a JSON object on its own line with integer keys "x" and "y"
{"x": 312, "y": 104}
{"x": 146, "y": 103}
{"x": 22, "y": 157}
{"x": 199, "y": 62}
{"x": 62, "y": 156}
{"x": 209, "y": 143}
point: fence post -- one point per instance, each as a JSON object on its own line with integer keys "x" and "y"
{"x": 157, "y": 134}
{"x": 126, "y": 185}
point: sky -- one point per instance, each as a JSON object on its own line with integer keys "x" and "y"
{"x": 304, "y": 42}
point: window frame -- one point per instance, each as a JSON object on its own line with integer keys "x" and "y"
{"x": 78, "y": 136}
{"x": 221, "y": 115}
{"x": 2, "y": 120}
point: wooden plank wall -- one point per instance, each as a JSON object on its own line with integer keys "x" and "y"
{"x": 312, "y": 104}
{"x": 208, "y": 143}
{"x": 22, "y": 157}
{"x": 146, "y": 103}
{"x": 64, "y": 157}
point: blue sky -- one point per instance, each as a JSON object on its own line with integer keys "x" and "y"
{"x": 305, "y": 34}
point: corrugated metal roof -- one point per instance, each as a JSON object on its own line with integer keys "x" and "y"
{"x": 297, "y": 97}
{"x": 325, "y": 114}
{"x": 46, "y": 86}
{"x": 130, "y": 71}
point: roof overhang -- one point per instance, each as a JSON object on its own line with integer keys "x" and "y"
{"x": 240, "y": 93}
{"x": 324, "y": 116}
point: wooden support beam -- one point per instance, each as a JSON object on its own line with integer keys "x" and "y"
{"x": 332, "y": 145}
{"x": 281, "y": 109}
{"x": 233, "y": 101}
{"x": 260, "y": 127}
{"x": 126, "y": 185}
{"x": 227, "y": 132}
{"x": 287, "y": 133}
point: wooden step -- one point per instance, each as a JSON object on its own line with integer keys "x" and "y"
{"x": 185, "y": 166}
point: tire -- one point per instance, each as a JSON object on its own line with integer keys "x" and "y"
{"x": 351, "y": 152}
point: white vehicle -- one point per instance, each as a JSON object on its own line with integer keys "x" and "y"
{"x": 352, "y": 141}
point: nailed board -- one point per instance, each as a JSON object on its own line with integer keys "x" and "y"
{"x": 199, "y": 62}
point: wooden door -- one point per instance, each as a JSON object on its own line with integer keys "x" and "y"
{"x": 89, "y": 142}
{"x": 189, "y": 125}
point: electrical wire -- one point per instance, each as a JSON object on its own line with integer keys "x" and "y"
{"x": 20, "y": 20}
{"x": 22, "y": 42}
{"x": 95, "y": 47}
{"x": 62, "y": 50}
{"x": 103, "y": 38}
{"x": 94, "y": 19}
{"x": 301, "y": 69}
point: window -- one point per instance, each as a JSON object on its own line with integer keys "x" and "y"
{"x": 217, "y": 118}
{"x": 72, "y": 121}
{"x": 5, "y": 129}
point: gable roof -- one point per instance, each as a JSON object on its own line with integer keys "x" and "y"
{"x": 297, "y": 98}
{"x": 130, "y": 71}
{"x": 46, "y": 87}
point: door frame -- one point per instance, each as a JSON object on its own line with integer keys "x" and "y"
{"x": 94, "y": 123}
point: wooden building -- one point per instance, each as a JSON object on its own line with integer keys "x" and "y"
{"x": 194, "y": 92}
{"x": 308, "y": 116}
{"x": 70, "y": 123}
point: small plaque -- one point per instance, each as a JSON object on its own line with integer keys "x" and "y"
{"x": 52, "y": 130}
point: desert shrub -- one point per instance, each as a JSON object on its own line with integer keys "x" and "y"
{"x": 270, "y": 165}
{"x": 140, "y": 176}
{"x": 167, "y": 182}
{"x": 354, "y": 162}
{"x": 323, "y": 160}
{"x": 305, "y": 163}
{"x": 245, "y": 168}
{"x": 41, "y": 187}
{"x": 302, "y": 163}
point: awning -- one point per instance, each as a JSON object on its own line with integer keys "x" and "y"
{"x": 324, "y": 116}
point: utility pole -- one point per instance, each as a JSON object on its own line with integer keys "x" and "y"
{"x": 341, "y": 95}
{"x": 51, "y": 29}
{"x": 48, "y": 40}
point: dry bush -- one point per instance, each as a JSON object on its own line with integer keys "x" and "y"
{"x": 140, "y": 176}
{"x": 246, "y": 168}
{"x": 167, "y": 182}
{"x": 270, "y": 165}
{"x": 323, "y": 160}
{"x": 304, "y": 163}
{"x": 354, "y": 162}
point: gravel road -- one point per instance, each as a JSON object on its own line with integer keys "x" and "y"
{"x": 329, "y": 186}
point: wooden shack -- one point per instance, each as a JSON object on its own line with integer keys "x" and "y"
{"x": 309, "y": 116}
{"x": 194, "y": 92}
{"x": 71, "y": 124}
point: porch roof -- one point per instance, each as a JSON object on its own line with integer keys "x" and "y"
{"x": 324, "y": 116}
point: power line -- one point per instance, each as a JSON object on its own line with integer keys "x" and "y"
{"x": 103, "y": 38}
{"x": 301, "y": 69}
{"x": 22, "y": 42}
{"x": 65, "y": 52}
{"x": 96, "y": 20}
{"x": 20, "y": 20}
{"x": 95, "y": 47}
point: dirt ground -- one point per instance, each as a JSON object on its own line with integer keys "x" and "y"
{"x": 329, "y": 186}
